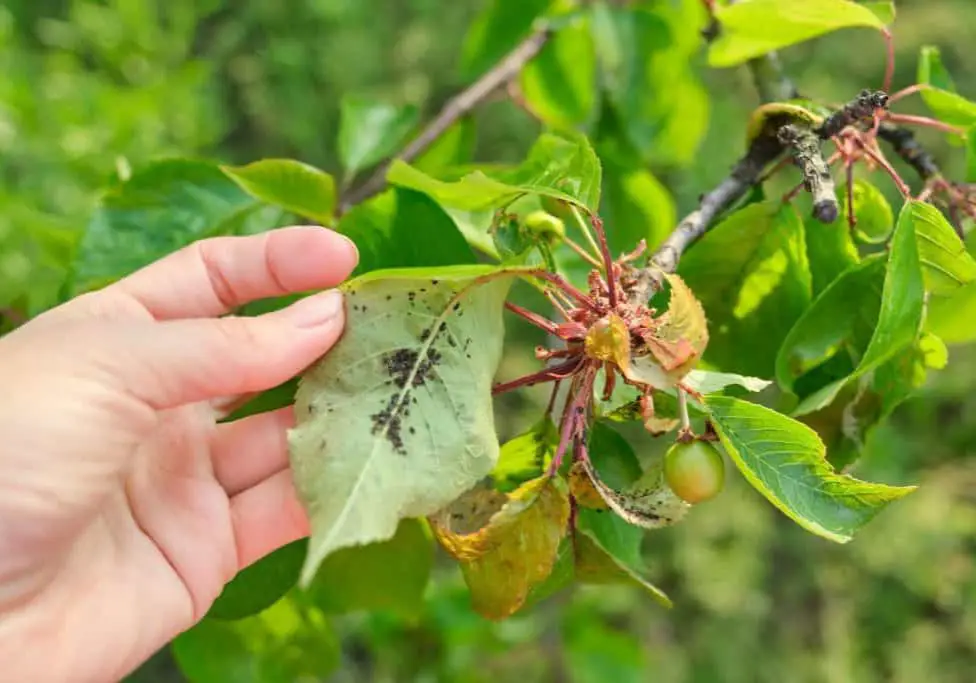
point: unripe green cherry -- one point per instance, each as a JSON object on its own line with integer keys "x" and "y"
{"x": 695, "y": 471}
{"x": 546, "y": 225}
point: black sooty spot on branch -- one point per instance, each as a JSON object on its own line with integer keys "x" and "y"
{"x": 456, "y": 306}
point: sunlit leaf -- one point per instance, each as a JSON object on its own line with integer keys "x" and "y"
{"x": 662, "y": 106}
{"x": 497, "y": 29}
{"x": 751, "y": 274}
{"x": 526, "y": 456}
{"x": 941, "y": 96}
{"x": 708, "y": 382}
{"x": 514, "y": 550}
{"x": 754, "y": 28}
{"x": 875, "y": 221}
{"x": 953, "y": 318}
{"x": 563, "y": 166}
{"x": 784, "y": 460}
{"x": 946, "y": 264}
{"x": 410, "y": 384}
{"x": 289, "y": 184}
{"x": 902, "y": 298}
{"x": 635, "y": 206}
{"x": 370, "y": 130}
{"x": 559, "y": 85}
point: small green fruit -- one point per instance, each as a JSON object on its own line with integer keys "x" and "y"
{"x": 546, "y": 225}
{"x": 695, "y": 471}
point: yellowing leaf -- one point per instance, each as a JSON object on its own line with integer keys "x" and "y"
{"x": 683, "y": 325}
{"x": 505, "y": 553}
{"x": 678, "y": 342}
{"x": 583, "y": 490}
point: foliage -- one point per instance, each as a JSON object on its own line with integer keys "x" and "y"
{"x": 816, "y": 333}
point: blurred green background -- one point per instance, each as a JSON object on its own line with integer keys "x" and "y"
{"x": 89, "y": 89}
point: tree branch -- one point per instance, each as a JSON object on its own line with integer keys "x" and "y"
{"x": 805, "y": 146}
{"x": 911, "y": 151}
{"x": 460, "y": 105}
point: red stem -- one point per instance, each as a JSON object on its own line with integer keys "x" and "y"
{"x": 889, "y": 59}
{"x": 881, "y": 161}
{"x": 924, "y": 121}
{"x": 851, "y": 218}
{"x": 572, "y": 416}
{"x": 905, "y": 92}
{"x": 534, "y": 318}
{"x": 607, "y": 259}
{"x": 551, "y": 374}
{"x": 567, "y": 288}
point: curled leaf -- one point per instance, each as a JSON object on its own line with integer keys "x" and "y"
{"x": 582, "y": 488}
{"x": 506, "y": 544}
{"x": 648, "y": 502}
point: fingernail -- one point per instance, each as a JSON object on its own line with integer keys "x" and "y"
{"x": 317, "y": 309}
{"x": 352, "y": 244}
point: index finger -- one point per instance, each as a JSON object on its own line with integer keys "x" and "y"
{"x": 214, "y": 276}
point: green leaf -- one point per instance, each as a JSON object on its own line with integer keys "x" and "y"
{"x": 635, "y": 206}
{"x": 559, "y": 85}
{"x": 643, "y": 501}
{"x": 526, "y": 456}
{"x": 610, "y": 553}
{"x": 289, "y": 184}
{"x": 952, "y": 317}
{"x": 660, "y": 103}
{"x": 708, "y": 382}
{"x": 507, "y": 548}
{"x": 875, "y": 221}
{"x": 456, "y": 146}
{"x": 971, "y": 154}
{"x": 902, "y": 299}
{"x": 401, "y": 228}
{"x": 840, "y": 322}
{"x": 752, "y": 29}
{"x": 830, "y": 250}
{"x": 498, "y": 29}
{"x": 160, "y": 209}
{"x": 883, "y": 9}
{"x": 941, "y": 96}
{"x": 751, "y": 274}
{"x": 563, "y": 166}
{"x": 259, "y": 586}
{"x": 389, "y": 575}
{"x": 371, "y": 130}
{"x": 946, "y": 264}
{"x": 784, "y": 460}
{"x": 410, "y": 383}
{"x": 288, "y": 642}
{"x": 605, "y": 549}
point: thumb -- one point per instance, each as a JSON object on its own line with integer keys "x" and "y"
{"x": 172, "y": 363}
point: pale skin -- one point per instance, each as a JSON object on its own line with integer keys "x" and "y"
{"x": 124, "y": 506}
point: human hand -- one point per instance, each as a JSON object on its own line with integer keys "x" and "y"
{"x": 124, "y": 506}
